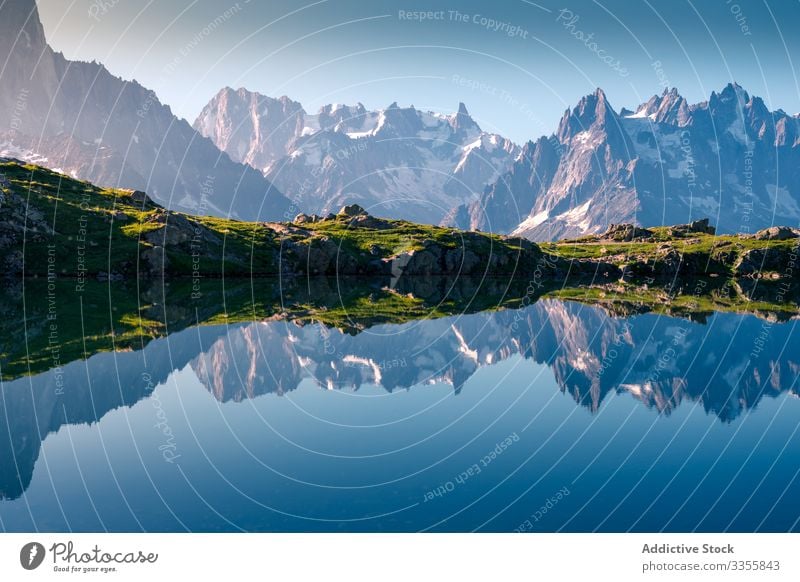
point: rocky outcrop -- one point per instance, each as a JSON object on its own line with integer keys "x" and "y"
{"x": 20, "y": 223}
{"x": 668, "y": 266}
{"x": 696, "y": 227}
{"x": 626, "y": 233}
{"x": 777, "y": 233}
{"x": 352, "y": 210}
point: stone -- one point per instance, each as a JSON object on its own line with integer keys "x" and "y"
{"x": 352, "y": 210}
{"x": 626, "y": 233}
{"x": 367, "y": 221}
{"x": 302, "y": 218}
{"x": 702, "y": 226}
{"x": 141, "y": 198}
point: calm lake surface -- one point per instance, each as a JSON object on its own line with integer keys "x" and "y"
{"x": 556, "y": 417}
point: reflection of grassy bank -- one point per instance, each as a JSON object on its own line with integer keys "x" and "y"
{"x": 45, "y": 329}
{"x": 48, "y": 330}
{"x": 695, "y": 301}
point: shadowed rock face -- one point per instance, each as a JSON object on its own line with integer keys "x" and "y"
{"x": 80, "y": 118}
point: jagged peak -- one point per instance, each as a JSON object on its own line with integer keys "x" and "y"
{"x": 251, "y": 99}
{"x": 20, "y": 25}
{"x": 592, "y": 109}
{"x": 734, "y": 91}
{"x": 462, "y": 121}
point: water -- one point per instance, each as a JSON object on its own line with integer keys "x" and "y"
{"x": 555, "y": 417}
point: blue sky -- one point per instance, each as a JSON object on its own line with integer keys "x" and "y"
{"x": 517, "y": 64}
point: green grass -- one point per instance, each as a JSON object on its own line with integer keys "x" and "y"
{"x": 402, "y": 237}
{"x": 712, "y": 246}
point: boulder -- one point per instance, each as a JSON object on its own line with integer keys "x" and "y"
{"x": 321, "y": 256}
{"x": 352, "y": 210}
{"x": 702, "y": 226}
{"x": 696, "y": 227}
{"x": 140, "y": 198}
{"x": 459, "y": 261}
{"x": 302, "y": 219}
{"x": 626, "y": 233}
{"x": 777, "y": 233}
{"x": 367, "y": 221}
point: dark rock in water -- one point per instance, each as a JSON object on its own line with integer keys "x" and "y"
{"x": 460, "y": 260}
{"x": 626, "y": 233}
{"x": 471, "y": 258}
{"x": 777, "y": 233}
{"x": 352, "y": 210}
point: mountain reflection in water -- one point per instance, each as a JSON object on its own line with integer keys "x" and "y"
{"x": 726, "y": 364}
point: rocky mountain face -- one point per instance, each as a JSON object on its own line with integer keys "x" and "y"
{"x": 729, "y": 158}
{"x": 80, "y": 119}
{"x": 251, "y": 128}
{"x": 668, "y": 162}
{"x": 396, "y": 162}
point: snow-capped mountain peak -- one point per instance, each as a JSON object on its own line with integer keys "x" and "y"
{"x": 413, "y": 164}
{"x": 667, "y": 162}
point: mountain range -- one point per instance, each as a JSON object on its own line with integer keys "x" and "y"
{"x": 398, "y": 161}
{"x": 729, "y": 158}
{"x": 80, "y": 119}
